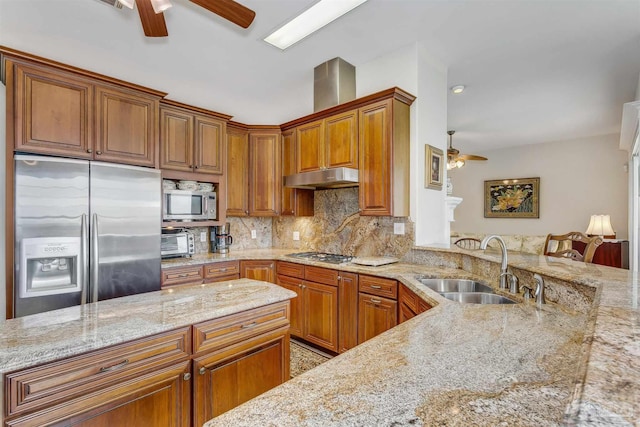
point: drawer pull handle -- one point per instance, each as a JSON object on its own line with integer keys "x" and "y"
{"x": 187, "y": 376}
{"x": 183, "y": 275}
{"x": 222, "y": 270}
{"x": 376, "y": 286}
{"x": 114, "y": 367}
{"x": 249, "y": 325}
{"x": 202, "y": 370}
{"x": 375, "y": 301}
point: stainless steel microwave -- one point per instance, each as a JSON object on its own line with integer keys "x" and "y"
{"x": 186, "y": 205}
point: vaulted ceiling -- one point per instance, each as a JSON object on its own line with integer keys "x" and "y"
{"x": 535, "y": 70}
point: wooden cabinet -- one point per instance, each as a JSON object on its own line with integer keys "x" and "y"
{"x": 315, "y": 313}
{"x": 377, "y": 306}
{"x": 409, "y": 304}
{"x": 191, "y": 139}
{"x": 221, "y": 271}
{"x": 347, "y": 311}
{"x": 258, "y": 270}
{"x": 239, "y": 358}
{"x": 295, "y": 201}
{"x": 384, "y": 158}
{"x": 237, "y": 171}
{"x": 183, "y": 275}
{"x": 328, "y": 143}
{"x": 265, "y": 173}
{"x": 74, "y": 114}
{"x": 146, "y": 381}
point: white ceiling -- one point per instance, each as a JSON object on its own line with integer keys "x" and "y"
{"x": 536, "y": 70}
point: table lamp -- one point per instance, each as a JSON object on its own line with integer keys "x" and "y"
{"x": 600, "y": 225}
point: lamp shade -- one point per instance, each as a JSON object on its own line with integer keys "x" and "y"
{"x": 600, "y": 225}
{"x": 160, "y": 6}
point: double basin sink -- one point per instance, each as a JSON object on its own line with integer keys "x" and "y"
{"x": 465, "y": 291}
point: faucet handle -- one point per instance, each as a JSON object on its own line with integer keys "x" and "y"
{"x": 513, "y": 284}
{"x": 527, "y": 293}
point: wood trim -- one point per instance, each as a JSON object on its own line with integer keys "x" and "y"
{"x": 193, "y": 109}
{"x": 7, "y": 52}
{"x": 9, "y": 184}
{"x": 393, "y": 93}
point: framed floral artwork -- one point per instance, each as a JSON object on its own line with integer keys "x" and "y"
{"x": 512, "y": 198}
{"x": 433, "y": 163}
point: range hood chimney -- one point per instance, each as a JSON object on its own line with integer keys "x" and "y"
{"x": 334, "y": 82}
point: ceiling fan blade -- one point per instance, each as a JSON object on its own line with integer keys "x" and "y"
{"x": 471, "y": 157}
{"x": 152, "y": 23}
{"x": 229, "y": 10}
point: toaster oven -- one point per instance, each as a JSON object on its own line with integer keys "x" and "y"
{"x": 177, "y": 245}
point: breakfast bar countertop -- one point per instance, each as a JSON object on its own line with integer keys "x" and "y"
{"x": 466, "y": 364}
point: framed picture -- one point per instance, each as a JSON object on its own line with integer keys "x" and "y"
{"x": 512, "y": 198}
{"x": 433, "y": 164}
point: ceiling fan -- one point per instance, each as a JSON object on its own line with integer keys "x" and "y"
{"x": 454, "y": 158}
{"x": 152, "y": 17}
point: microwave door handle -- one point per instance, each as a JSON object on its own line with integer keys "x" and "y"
{"x": 84, "y": 258}
{"x": 95, "y": 257}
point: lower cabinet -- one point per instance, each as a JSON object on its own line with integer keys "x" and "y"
{"x": 221, "y": 271}
{"x": 409, "y": 304}
{"x": 181, "y": 276}
{"x": 258, "y": 270}
{"x": 377, "y": 306}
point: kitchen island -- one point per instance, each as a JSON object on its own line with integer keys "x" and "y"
{"x": 574, "y": 361}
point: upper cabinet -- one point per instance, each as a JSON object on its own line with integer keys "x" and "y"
{"x": 237, "y": 171}
{"x": 60, "y": 110}
{"x": 191, "y": 139}
{"x": 328, "y": 143}
{"x": 295, "y": 202}
{"x": 265, "y": 172}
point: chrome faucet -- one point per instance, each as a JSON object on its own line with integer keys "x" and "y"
{"x": 539, "y": 292}
{"x": 505, "y": 276}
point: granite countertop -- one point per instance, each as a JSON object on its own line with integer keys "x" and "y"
{"x": 39, "y": 338}
{"x": 458, "y": 364}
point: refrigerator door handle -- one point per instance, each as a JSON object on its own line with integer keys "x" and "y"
{"x": 84, "y": 258}
{"x": 95, "y": 257}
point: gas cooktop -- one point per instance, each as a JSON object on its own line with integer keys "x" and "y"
{"x": 323, "y": 257}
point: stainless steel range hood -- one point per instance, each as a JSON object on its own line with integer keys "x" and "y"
{"x": 327, "y": 178}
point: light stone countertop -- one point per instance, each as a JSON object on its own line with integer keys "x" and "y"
{"x": 39, "y": 338}
{"x": 575, "y": 361}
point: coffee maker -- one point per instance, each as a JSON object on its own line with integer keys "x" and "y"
{"x": 220, "y": 238}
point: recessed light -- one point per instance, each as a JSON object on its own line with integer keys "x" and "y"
{"x": 310, "y": 21}
{"x": 457, "y": 89}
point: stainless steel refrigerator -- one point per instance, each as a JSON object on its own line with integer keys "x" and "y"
{"x": 84, "y": 232}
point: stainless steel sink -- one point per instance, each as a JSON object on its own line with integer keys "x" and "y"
{"x": 477, "y": 298}
{"x": 454, "y": 285}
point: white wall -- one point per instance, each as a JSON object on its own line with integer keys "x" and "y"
{"x": 3, "y": 208}
{"x": 577, "y": 179}
{"x": 413, "y": 70}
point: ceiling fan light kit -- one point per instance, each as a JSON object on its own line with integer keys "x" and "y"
{"x": 454, "y": 158}
{"x": 127, "y": 3}
{"x": 160, "y": 6}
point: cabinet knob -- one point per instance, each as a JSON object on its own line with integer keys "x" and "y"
{"x": 202, "y": 370}
{"x": 300, "y": 285}
{"x": 339, "y": 277}
{"x": 187, "y": 376}
{"x": 247, "y": 212}
{"x": 98, "y": 152}
{"x": 195, "y": 167}
{"x": 89, "y": 150}
{"x": 191, "y": 166}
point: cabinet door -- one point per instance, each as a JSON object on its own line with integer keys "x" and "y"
{"x": 405, "y": 313}
{"x": 297, "y": 306}
{"x": 295, "y": 201}
{"x": 159, "y": 399}
{"x": 183, "y": 275}
{"x": 53, "y": 111}
{"x": 265, "y": 175}
{"x": 126, "y": 127}
{"x": 237, "y": 173}
{"x": 341, "y": 135}
{"x": 209, "y": 145}
{"x": 321, "y": 314}
{"x": 176, "y": 140}
{"x": 310, "y": 147}
{"x": 258, "y": 365}
{"x": 348, "y": 310}
{"x": 375, "y": 315}
{"x": 375, "y": 158}
{"x": 258, "y": 270}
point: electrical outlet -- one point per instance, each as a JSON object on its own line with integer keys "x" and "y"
{"x": 296, "y": 235}
{"x": 203, "y": 236}
{"x": 398, "y": 228}
{"x": 254, "y": 234}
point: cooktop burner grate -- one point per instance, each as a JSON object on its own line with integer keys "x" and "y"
{"x": 323, "y": 257}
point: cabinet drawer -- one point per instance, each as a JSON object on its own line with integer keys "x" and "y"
{"x": 378, "y": 286}
{"x": 220, "y": 333}
{"x": 221, "y": 270}
{"x": 407, "y": 297}
{"x": 321, "y": 275}
{"x": 423, "y": 306}
{"x": 60, "y": 381}
{"x": 182, "y": 275}
{"x": 290, "y": 269}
